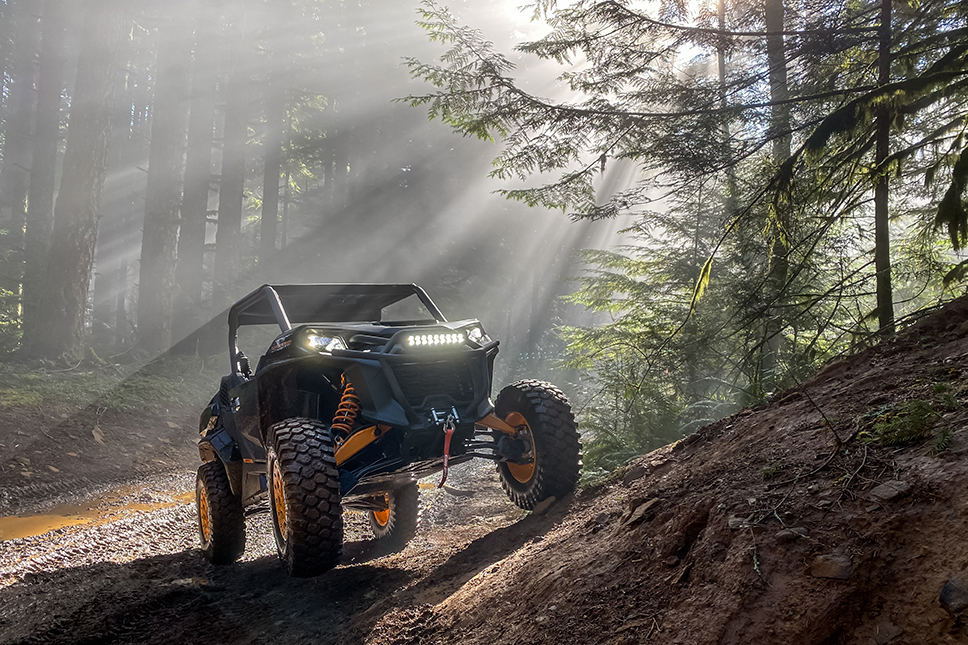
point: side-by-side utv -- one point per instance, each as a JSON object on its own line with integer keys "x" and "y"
{"x": 366, "y": 388}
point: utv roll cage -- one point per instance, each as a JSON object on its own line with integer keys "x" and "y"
{"x": 285, "y": 304}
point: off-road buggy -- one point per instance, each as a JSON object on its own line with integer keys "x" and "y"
{"x": 366, "y": 389}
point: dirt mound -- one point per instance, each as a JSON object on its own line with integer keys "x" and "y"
{"x": 836, "y": 514}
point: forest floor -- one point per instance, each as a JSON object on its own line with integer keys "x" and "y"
{"x": 837, "y": 513}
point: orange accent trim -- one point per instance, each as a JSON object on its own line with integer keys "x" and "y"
{"x": 279, "y": 501}
{"x": 496, "y": 423}
{"x": 247, "y": 461}
{"x": 383, "y": 517}
{"x": 203, "y": 516}
{"x": 357, "y": 442}
{"x": 522, "y": 472}
{"x": 348, "y": 409}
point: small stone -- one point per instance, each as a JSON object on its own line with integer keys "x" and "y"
{"x": 785, "y": 536}
{"x": 890, "y": 490}
{"x": 886, "y": 631}
{"x": 832, "y": 566}
{"x": 634, "y": 473}
{"x": 52, "y": 469}
{"x": 954, "y": 595}
{"x": 23, "y": 461}
{"x": 641, "y": 510}
{"x": 73, "y": 454}
{"x": 542, "y": 507}
{"x": 735, "y": 522}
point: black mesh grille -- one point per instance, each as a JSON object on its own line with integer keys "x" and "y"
{"x": 420, "y": 380}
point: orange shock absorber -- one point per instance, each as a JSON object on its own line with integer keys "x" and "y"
{"x": 349, "y": 407}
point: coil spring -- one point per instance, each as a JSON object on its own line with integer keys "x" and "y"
{"x": 349, "y": 407}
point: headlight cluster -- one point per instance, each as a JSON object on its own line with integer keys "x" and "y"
{"x": 322, "y": 343}
{"x": 435, "y": 339}
{"x": 478, "y": 336}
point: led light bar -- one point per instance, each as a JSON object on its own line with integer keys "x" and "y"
{"x": 435, "y": 339}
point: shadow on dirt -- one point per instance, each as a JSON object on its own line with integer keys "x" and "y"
{"x": 180, "y": 598}
{"x": 480, "y": 554}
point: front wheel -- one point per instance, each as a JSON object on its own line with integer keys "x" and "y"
{"x": 221, "y": 522}
{"x": 304, "y": 497}
{"x": 396, "y": 525}
{"x": 548, "y": 436}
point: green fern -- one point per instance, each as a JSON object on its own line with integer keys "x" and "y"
{"x": 901, "y": 424}
{"x": 942, "y": 441}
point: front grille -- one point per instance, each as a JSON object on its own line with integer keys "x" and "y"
{"x": 421, "y": 380}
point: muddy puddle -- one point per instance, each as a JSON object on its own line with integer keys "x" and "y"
{"x": 105, "y": 508}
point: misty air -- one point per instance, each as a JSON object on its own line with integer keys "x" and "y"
{"x": 418, "y": 322}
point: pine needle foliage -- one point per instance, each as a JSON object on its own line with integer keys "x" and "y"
{"x": 749, "y": 265}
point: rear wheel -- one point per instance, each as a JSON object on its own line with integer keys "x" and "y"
{"x": 548, "y": 438}
{"x": 304, "y": 496}
{"x": 221, "y": 523}
{"x": 397, "y": 525}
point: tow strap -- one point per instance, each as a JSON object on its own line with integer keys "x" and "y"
{"x": 449, "y": 426}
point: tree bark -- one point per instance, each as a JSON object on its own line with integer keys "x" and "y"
{"x": 882, "y": 230}
{"x": 76, "y": 212}
{"x": 778, "y": 241}
{"x": 198, "y": 166}
{"x": 14, "y": 177}
{"x": 156, "y": 285}
{"x": 40, "y": 196}
{"x": 275, "y": 123}
{"x": 232, "y": 186}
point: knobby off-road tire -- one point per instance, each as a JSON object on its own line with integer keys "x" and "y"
{"x": 543, "y": 411}
{"x": 221, "y": 523}
{"x": 394, "y": 527}
{"x": 304, "y": 498}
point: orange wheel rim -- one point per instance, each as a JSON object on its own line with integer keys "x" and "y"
{"x": 523, "y": 473}
{"x": 279, "y": 499}
{"x": 203, "y": 516}
{"x": 383, "y": 517}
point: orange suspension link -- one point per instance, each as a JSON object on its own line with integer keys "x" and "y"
{"x": 349, "y": 407}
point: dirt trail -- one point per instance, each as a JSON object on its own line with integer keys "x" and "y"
{"x": 135, "y": 573}
{"x": 777, "y": 525}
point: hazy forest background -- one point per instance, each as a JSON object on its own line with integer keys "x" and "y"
{"x": 788, "y": 176}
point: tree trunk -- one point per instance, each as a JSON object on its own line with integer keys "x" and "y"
{"x": 778, "y": 241}
{"x": 232, "y": 186}
{"x": 124, "y": 196}
{"x": 198, "y": 168}
{"x": 76, "y": 213}
{"x": 14, "y": 177}
{"x": 275, "y": 123}
{"x": 882, "y": 230}
{"x": 731, "y": 190}
{"x": 156, "y": 285}
{"x": 40, "y": 195}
